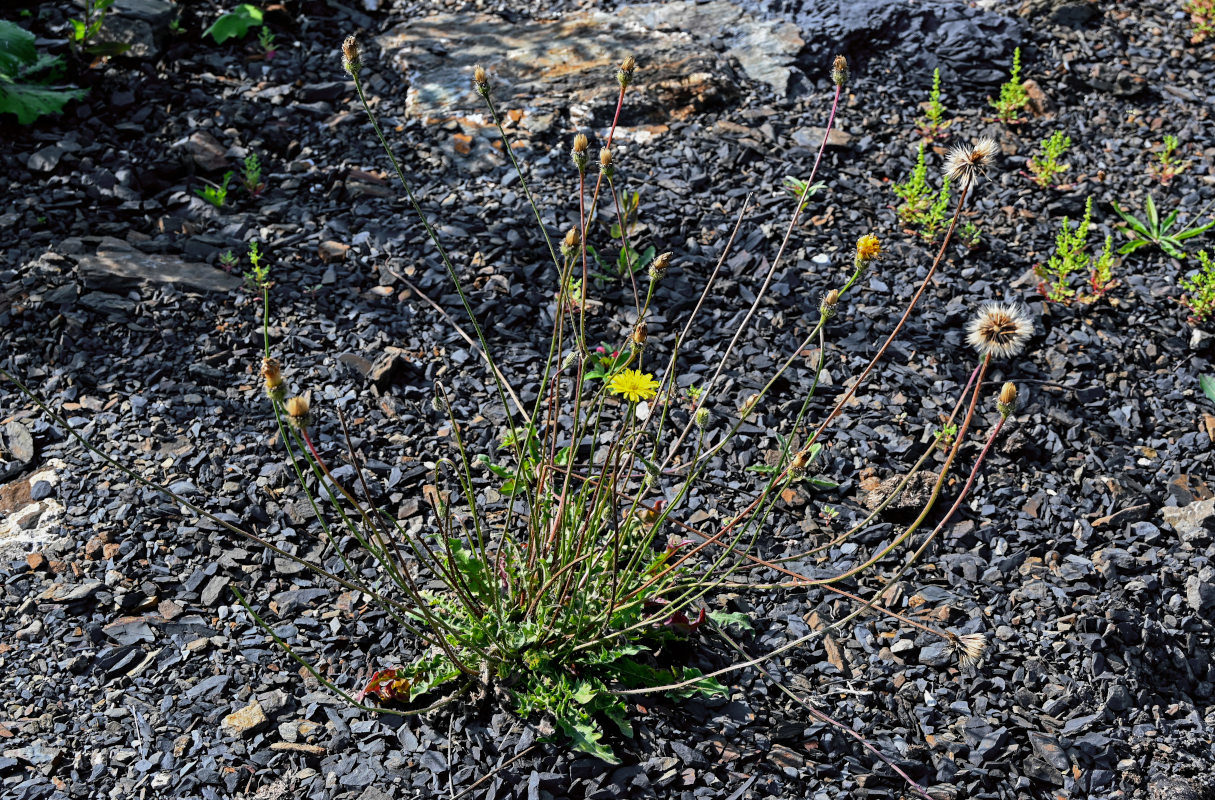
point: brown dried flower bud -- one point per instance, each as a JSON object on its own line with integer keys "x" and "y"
{"x": 352, "y": 56}
{"x": 640, "y": 333}
{"x": 570, "y": 244}
{"x": 581, "y": 143}
{"x": 624, "y": 75}
{"x": 800, "y": 461}
{"x": 1007, "y": 402}
{"x": 480, "y": 80}
{"x": 297, "y": 409}
{"x": 839, "y": 71}
{"x": 272, "y": 373}
{"x": 827, "y": 306}
{"x": 605, "y": 162}
{"x": 658, "y": 267}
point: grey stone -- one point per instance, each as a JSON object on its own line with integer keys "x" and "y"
{"x": 157, "y": 13}
{"x": 16, "y": 444}
{"x": 1190, "y": 520}
{"x": 1199, "y": 594}
{"x": 212, "y": 591}
{"x": 46, "y": 159}
{"x": 1118, "y": 698}
{"x": 1047, "y": 748}
{"x": 937, "y": 654}
{"x": 206, "y": 151}
{"x": 117, "y": 265}
{"x": 135, "y": 33}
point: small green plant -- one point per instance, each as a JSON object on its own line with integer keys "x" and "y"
{"x": 175, "y": 27}
{"x": 27, "y": 78}
{"x": 1202, "y": 18}
{"x": 265, "y": 40}
{"x": 257, "y": 278}
{"x": 797, "y": 188}
{"x": 1072, "y": 257}
{"x": 214, "y": 194}
{"x": 251, "y": 176}
{"x": 933, "y": 124}
{"x": 235, "y": 24}
{"x": 1200, "y": 289}
{"x": 228, "y": 261}
{"x": 923, "y": 210}
{"x": 94, "y": 17}
{"x": 1168, "y": 165}
{"x": 1045, "y": 166}
{"x": 1155, "y": 231}
{"x": 1013, "y": 97}
{"x": 971, "y": 235}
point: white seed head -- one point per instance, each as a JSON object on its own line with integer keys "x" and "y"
{"x": 1000, "y": 330}
{"x": 965, "y": 164}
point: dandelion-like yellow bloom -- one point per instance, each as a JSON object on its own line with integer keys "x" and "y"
{"x": 868, "y": 248}
{"x": 633, "y": 385}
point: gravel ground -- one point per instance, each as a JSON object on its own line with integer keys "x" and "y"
{"x": 1084, "y": 553}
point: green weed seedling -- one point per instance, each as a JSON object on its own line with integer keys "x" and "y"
{"x": 1200, "y": 289}
{"x": 1151, "y": 230}
{"x": 797, "y": 188}
{"x": 251, "y": 176}
{"x": 1045, "y": 166}
{"x": 923, "y": 210}
{"x": 1202, "y": 20}
{"x": 216, "y": 195}
{"x": 1072, "y": 257}
{"x": 1013, "y": 97}
{"x": 1168, "y": 165}
{"x": 27, "y": 78}
{"x": 933, "y": 124}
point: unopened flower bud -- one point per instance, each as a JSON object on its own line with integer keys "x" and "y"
{"x": 624, "y": 75}
{"x": 702, "y": 417}
{"x": 569, "y": 245}
{"x": 658, "y": 267}
{"x": 827, "y": 306}
{"x": 297, "y": 409}
{"x": 481, "y": 81}
{"x": 1007, "y": 402}
{"x": 579, "y": 153}
{"x": 839, "y": 71}
{"x": 352, "y": 56}
{"x": 640, "y": 333}
{"x": 272, "y": 373}
{"x": 437, "y": 404}
{"x": 800, "y": 461}
{"x": 748, "y": 406}
{"x": 571, "y": 358}
{"x": 605, "y": 162}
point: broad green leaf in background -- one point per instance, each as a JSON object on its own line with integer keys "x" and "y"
{"x": 24, "y": 75}
{"x": 235, "y": 24}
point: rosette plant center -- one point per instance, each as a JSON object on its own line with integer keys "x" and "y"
{"x": 558, "y": 569}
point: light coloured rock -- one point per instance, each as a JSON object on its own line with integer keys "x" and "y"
{"x": 568, "y": 65}
{"x": 246, "y": 721}
{"x": 1189, "y": 520}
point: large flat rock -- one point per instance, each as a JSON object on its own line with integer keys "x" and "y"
{"x": 117, "y": 265}
{"x": 568, "y": 65}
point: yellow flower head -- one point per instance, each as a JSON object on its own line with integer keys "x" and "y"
{"x": 868, "y": 248}
{"x": 633, "y": 385}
